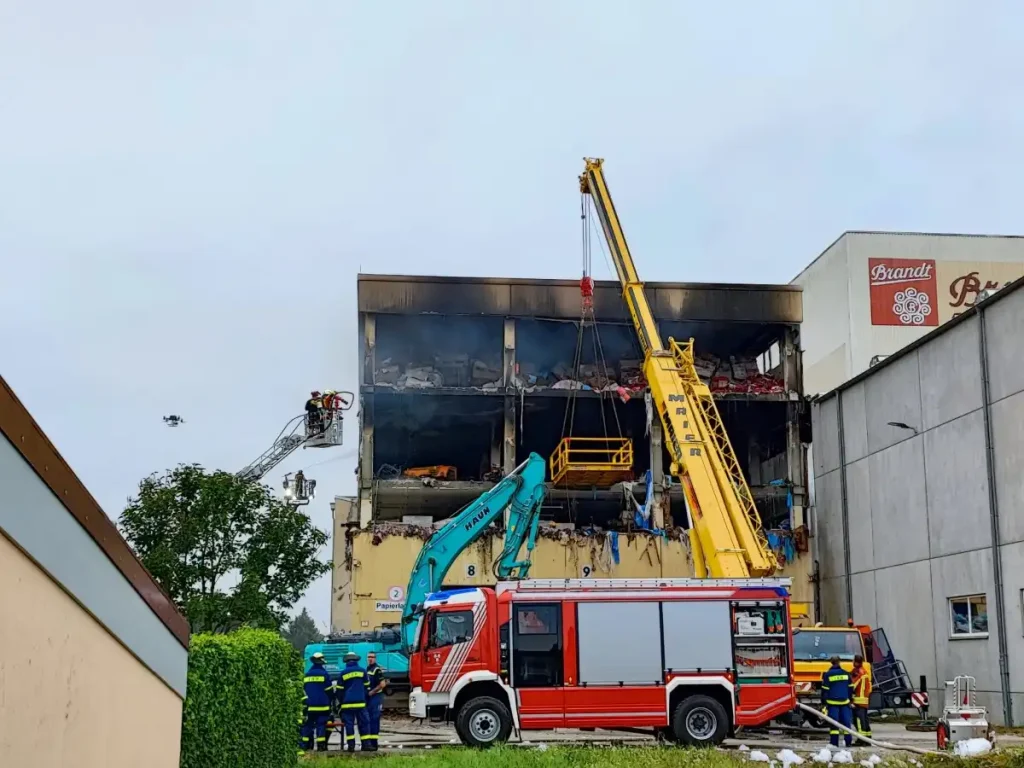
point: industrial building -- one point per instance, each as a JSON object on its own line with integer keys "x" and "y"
{"x": 94, "y": 653}
{"x": 461, "y": 378}
{"x": 917, "y": 465}
{"x": 869, "y": 294}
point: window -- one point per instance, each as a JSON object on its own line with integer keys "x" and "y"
{"x": 450, "y": 627}
{"x": 814, "y": 645}
{"x": 536, "y": 645}
{"x": 968, "y": 616}
{"x": 536, "y": 620}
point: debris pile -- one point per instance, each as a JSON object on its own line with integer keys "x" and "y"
{"x": 736, "y": 375}
{"x": 441, "y": 371}
{"x": 624, "y": 378}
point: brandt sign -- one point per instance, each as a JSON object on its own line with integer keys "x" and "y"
{"x": 903, "y": 292}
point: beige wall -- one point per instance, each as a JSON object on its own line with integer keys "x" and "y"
{"x": 367, "y": 574}
{"x": 70, "y": 693}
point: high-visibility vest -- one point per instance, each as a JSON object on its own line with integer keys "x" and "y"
{"x": 861, "y": 687}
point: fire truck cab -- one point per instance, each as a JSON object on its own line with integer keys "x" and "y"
{"x": 690, "y": 659}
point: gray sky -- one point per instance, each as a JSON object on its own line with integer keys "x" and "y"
{"x": 188, "y": 190}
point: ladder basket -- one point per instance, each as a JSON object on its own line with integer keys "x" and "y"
{"x": 592, "y": 462}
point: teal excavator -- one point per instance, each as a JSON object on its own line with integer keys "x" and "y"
{"x": 522, "y": 493}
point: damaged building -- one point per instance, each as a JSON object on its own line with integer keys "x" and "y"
{"x": 462, "y": 378}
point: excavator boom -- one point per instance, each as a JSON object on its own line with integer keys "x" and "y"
{"x": 725, "y": 530}
{"x": 522, "y": 492}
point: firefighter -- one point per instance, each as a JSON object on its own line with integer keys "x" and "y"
{"x": 304, "y": 742}
{"x": 835, "y": 695}
{"x": 861, "y": 696}
{"x": 355, "y": 686}
{"x": 314, "y": 413}
{"x": 375, "y": 704}
{"x": 318, "y": 689}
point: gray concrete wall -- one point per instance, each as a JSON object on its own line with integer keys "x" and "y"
{"x": 915, "y": 526}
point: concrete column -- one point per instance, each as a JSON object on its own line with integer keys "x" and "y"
{"x": 508, "y": 448}
{"x": 508, "y": 432}
{"x": 796, "y": 455}
{"x": 368, "y": 346}
{"x": 365, "y": 460}
{"x": 661, "y": 502}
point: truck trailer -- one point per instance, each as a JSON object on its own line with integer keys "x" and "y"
{"x": 690, "y": 659}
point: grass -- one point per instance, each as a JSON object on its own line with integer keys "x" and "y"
{"x": 633, "y": 757}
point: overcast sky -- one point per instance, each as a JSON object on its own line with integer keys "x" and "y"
{"x": 188, "y": 189}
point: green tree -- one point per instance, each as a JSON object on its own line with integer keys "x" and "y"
{"x": 227, "y": 551}
{"x": 301, "y": 631}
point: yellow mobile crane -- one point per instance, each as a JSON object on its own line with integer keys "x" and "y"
{"x": 726, "y": 537}
{"x": 725, "y": 532}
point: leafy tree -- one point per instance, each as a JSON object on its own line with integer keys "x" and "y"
{"x": 227, "y": 551}
{"x": 301, "y": 631}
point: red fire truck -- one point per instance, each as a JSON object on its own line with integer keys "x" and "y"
{"x": 691, "y": 659}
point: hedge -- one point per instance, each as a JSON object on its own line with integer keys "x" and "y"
{"x": 242, "y": 704}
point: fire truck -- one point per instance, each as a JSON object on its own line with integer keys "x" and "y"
{"x": 690, "y": 659}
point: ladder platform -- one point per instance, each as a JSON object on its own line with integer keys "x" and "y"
{"x": 330, "y": 436}
{"x": 570, "y": 584}
{"x": 589, "y": 462}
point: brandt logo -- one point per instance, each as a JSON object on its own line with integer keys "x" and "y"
{"x": 884, "y": 274}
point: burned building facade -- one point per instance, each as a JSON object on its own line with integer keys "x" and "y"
{"x": 462, "y": 378}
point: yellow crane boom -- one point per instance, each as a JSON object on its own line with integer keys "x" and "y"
{"x": 726, "y": 537}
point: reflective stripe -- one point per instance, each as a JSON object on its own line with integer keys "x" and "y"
{"x": 313, "y": 679}
{"x": 351, "y": 737}
{"x": 833, "y": 703}
{"x": 351, "y": 675}
{"x": 320, "y": 709}
{"x": 359, "y": 705}
{"x": 860, "y": 702}
{"x": 371, "y": 736}
{"x": 321, "y": 738}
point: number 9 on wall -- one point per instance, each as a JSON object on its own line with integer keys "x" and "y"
{"x": 586, "y": 572}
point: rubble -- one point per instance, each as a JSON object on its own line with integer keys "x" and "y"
{"x": 441, "y": 371}
{"x": 735, "y": 375}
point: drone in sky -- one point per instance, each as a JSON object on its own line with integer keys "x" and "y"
{"x": 173, "y": 420}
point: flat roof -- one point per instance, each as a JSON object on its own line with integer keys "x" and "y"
{"x": 917, "y": 343}
{"x": 28, "y": 438}
{"x": 560, "y": 299}
{"x": 900, "y": 234}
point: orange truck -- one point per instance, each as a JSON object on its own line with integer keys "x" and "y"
{"x": 814, "y": 646}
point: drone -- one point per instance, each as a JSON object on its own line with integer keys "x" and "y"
{"x": 173, "y": 420}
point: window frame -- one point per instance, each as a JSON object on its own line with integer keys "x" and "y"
{"x": 432, "y": 628}
{"x": 971, "y": 633}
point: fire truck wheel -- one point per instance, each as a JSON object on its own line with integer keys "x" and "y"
{"x": 700, "y": 721}
{"x": 483, "y": 722}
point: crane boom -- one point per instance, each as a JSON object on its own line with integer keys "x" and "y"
{"x": 522, "y": 491}
{"x": 725, "y": 530}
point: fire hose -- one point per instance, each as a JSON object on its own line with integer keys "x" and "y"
{"x": 873, "y": 742}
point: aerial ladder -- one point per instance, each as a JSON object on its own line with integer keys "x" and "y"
{"x": 301, "y": 432}
{"x": 522, "y": 493}
{"x": 726, "y": 537}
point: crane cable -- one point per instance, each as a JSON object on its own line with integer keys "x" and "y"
{"x": 587, "y": 313}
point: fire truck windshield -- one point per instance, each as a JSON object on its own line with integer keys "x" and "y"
{"x": 450, "y": 627}
{"x": 812, "y": 645}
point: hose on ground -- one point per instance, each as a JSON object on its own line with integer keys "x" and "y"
{"x": 873, "y": 742}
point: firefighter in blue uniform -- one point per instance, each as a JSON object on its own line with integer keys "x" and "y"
{"x": 355, "y": 687}
{"x": 835, "y": 696}
{"x": 318, "y": 689}
{"x": 375, "y": 704}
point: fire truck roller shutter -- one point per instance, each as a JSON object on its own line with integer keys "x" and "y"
{"x": 619, "y": 642}
{"x": 698, "y": 636}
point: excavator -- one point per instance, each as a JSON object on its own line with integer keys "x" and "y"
{"x": 522, "y": 493}
{"x": 725, "y": 533}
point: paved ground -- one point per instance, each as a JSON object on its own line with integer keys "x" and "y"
{"x": 398, "y": 733}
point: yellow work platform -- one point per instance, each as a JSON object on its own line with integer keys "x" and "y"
{"x": 589, "y": 462}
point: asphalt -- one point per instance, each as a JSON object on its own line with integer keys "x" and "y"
{"x": 400, "y": 734}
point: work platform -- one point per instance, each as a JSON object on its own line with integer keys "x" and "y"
{"x": 591, "y": 462}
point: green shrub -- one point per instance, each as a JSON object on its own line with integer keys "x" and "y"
{"x": 242, "y": 704}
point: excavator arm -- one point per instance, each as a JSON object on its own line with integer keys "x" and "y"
{"x": 522, "y": 491}
{"x": 725, "y": 530}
